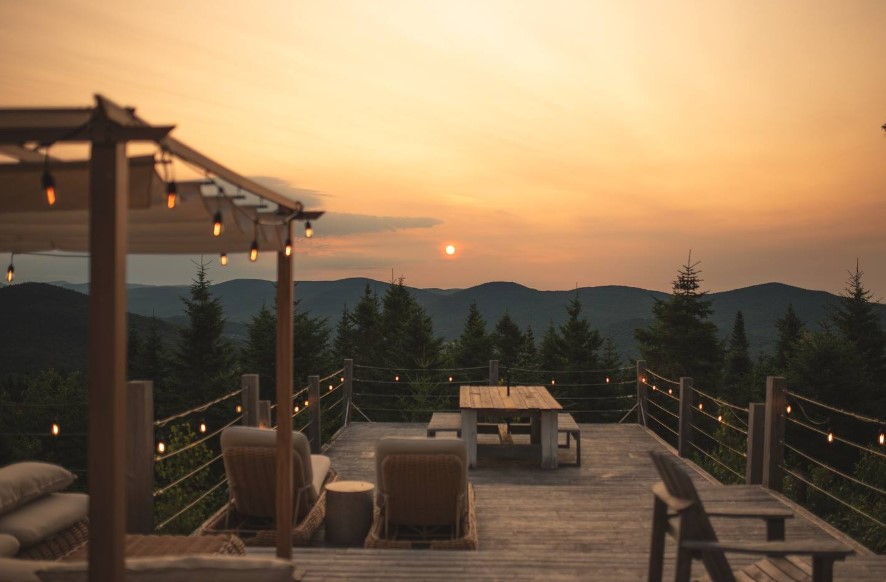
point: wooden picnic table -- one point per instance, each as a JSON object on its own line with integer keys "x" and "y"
{"x": 503, "y": 402}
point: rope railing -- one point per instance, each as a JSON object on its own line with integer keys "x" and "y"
{"x": 829, "y": 435}
{"x": 662, "y": 378}
{"x": 201, "y": 408}
{"x": 719, "y": 419}
{"x": 404, "y": 381}
{"x": 851, "y": 414}
{"x": 191, "y": 505}
{"x": 338, "y": 373}
{"x": 391, "y": 369}
{"x": 332, "y": 389}
{"x": 599, "y": 371}
{"x": 719, "y": 401}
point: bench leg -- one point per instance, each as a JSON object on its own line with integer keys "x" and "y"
{"x": 578, "y": 449}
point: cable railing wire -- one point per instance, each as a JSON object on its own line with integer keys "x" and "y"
{"x": 192, "y": 504}
{"x": 837, "y": 438}
{"x": 659, "y": 406}
{"x": 600, "y": 371}
{"x": 662, "y": 378}
{"x": 389, "y": 369}
{"x": 854, "y": 415}
{"x": 832, "y": 496}
{"x": 201, "y": 408}
{"x": 716, "y": 460}
{"x": 719, "y": 442}
{"x": 663, "y": 425}
{"x": 189, "y": 446}
{"x": 333, "y": 375}
{"x": 835, "y": 471}
{"x": 723, "y": 422}
{"x": 720, "y": 401}
{"x": 184, "y": 478}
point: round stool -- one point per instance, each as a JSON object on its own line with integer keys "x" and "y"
{"x": 349, "y": 508}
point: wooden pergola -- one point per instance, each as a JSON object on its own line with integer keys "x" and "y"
{"x": 109, "y": 205}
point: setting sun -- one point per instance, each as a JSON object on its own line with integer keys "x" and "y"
{"x": 450, "y": 249}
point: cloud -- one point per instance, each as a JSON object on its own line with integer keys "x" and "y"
{"x": 343, "y": 223}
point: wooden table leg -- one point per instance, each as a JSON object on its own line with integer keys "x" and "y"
{"x": 469, "y": 433}
{"x": 549, "y": 439}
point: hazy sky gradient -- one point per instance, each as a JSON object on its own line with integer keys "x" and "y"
{"x": 554, "y": 143}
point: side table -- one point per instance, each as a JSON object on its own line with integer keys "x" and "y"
{"x": 349, "y": 507}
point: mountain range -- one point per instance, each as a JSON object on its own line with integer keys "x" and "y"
{"x": 47, "y": 322}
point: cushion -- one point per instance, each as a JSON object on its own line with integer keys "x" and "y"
{"x": 12, "y": 570}
{"x": 320, "y": 466}
{"x": 44, "y": 517}
{"x": 422, "y": 446}
{"x": 9, "y": 545}
{"x": 24, "y": 482}
{"x": 183, "y": 569}
{"x": 250, "y": 436}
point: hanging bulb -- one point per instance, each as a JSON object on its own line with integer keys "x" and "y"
{"x": 309, "y": 230}
{"x": 830, "y": 436}
{"x": 223, "y": 259}
{"x": 47, "y": 181}
{"x": 670, "y": 391}
{"x": 296, "y": 408}
{"x": 217, "y": 224}
{"x": 202, "y": 426}
{"x": 607, "y": 379}
{"x": 330, "y": 387}
{"x": 55, "y": 429}
{"x": 788, "y": 409}
{"x": 553, "y": 381}
{"x": 287, "y": 247}
{"x": 700, "y": 406}
{"x": 719, "y": 418}
{"x": 171, "y": 194}
{"x": 306, "y": 403}
{"x": 161, "y": 445}
{"x": 253, "y": 251}
{"x": 10, "y": 273}
{"x": 396, "y": 378}
{"x": 450, "y": 378}
{"x": 238, "y": 409}
{"x": 882, "y": 438}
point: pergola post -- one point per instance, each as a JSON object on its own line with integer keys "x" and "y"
{"x": 108, "y": 204}
{"x": 285, "y": 298}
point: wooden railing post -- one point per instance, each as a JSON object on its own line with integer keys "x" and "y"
{"x": 249, "y": 399}
{"x": 773, "y": 439}
{"x": 264, "y": 414}
{"x": 756, "y": 432}
{"x": 641, "y": 392}
{"x": 140, "y": 457}
{"x": 685, "y": 432}
{"x": 314, "y": 412}
{"x": 349, "y": 389}
{"x": 493, "y": 372}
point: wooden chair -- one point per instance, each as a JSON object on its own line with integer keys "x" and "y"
{"x": 677, "y": 498}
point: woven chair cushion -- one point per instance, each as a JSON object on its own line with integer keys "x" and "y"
{"x": 9, "y": 545}
{"x": 183, "y": 569}
{"x": 45, "y": 517}
{"x": 24, "y": 482}
{"x": 250, "y": 436}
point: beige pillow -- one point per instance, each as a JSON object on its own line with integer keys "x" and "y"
{"x": 45, "y": 517}
{"x": 12, "y": 570}
{"x": 9, "y": 546}
{"x": 24, "y": 482}
{"x": 184, "y": 569}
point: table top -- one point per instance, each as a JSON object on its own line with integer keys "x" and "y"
{"x": 350, "y": 486}
{"x": 495, "y": 398}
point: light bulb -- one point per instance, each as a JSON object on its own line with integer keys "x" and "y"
{"x": 223, "y": 259}
{"x": 553, "y": 381}
{"x": 450, "y": 378}
{"x": 10, "y": 273}
{"x": 287, "y": 247}
{"x": 202, "y": 427}
{"x": 830, "y": 436}
{"x": 607, "y": 379}
{"x": 700, "y": 406}
{"x": 171, "y": 194}
{"x": 253, "y": 251}
{"x": 306, "y": 403}
{"x": 309, "y": 230}
{"x": 330, "y": 387}
{"x": 670, "y": 391}
{"x": 396, "y": 378}
{"x": 296, "y": 409}
{"x": 788, "y": 409}
{"x": 217, "y": 224}
{"x": 55, "y": 429}
{"x": 48, "y": 186}
{"x": 882, "y": 438}
{"x": 238, "y": 409}
{"x": 719, "y": 418}
{"x": 161, "y": 447}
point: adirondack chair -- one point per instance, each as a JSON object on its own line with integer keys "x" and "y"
{"x": 676, "y": 498}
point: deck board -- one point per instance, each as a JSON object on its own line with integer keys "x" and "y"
{"x": 589, "y": 523}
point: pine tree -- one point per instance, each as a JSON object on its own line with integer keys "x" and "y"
{"x": 474, "y": 345}
{"x": 738, "y": 367}
{"x": 133, "y": 347}
{"x": 579, "y": 341}
{"x": 858, "y": 322}
{"x": 343, "y": 345}
{"x": 310, "y": 345}
{"x": 153, "y": 364}
{"x": 681, "y": 341}
{"x": 550, "y": 353}
{"x": 407, "y": 331}
{"x": 509, "y": 343}
{"x": 367, "y": 340}
{"x": 790, "y": 330}
{"x": 259, "y": 354}
{"x": 203, "y": 366}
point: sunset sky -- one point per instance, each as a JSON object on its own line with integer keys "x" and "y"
{"x": 553, "y": 143}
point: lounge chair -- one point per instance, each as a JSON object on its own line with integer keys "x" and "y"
{"x": 676, "y": 498}
{"x": 250, "y": 464}
{"x": 423, "y": 495}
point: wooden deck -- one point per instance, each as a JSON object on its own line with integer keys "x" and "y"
{"x": 575, "y": 523}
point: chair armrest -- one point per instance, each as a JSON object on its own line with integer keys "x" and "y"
{"x": 672, "y": 503}
{"x": 743, "y": 511}
{"x": 827, "y": 549}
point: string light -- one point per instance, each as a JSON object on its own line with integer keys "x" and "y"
{"x": 342, "y": 379}
{"x": 10, "y": 272}
{"x": 223, "y": 259}
{"x": 47, "y": 181}
{"x": 830, "y": 436}
{"x": 330, "y": 387}
{"x": 306, "y": 403}
{"x": 54, "y": 429}
{"x": 701, "y": 406}
{"x": 238, "y": 409}
{"x": 719, "y": 418}
{"x": 788, "y": 409}
{"x": 253, "y": 251}
{"x": 670, "y": 391}
{"x": 202, "y": 426}
{"x": 171, "y": 194}
{"x": 654, "y": 387}
{"x": 217, "y": 225}
{"x": 881, "y": 438}
{"x": 297, "y": 408}
{"x": 553, "y": 381}
{"x": 450, "y": 378}
{"x": 607, "y": 379}
{"x": 287, "y": 247}
{"x": 161, "y": 444}
{"x": 396, "y": 378}
{"x": 643, "y": 379}
{"x": 309, "y": 230}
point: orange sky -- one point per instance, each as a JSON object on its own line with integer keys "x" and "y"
{"x": 554, "y": 143}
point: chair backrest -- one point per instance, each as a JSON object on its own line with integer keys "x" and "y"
{"x": 694, "y": 521}
{"x": 422, "y": 481}
{"x": 250, "y": 456}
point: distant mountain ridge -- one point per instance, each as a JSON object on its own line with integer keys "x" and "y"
{"x": 615, "y": 310}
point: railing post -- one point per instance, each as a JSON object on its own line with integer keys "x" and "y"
{"x": 249, "y": 399}
{"x": 756, "y": 432}
{"x": 493, "y": 372}
{"x": 264, "y": 414}
{"x": 140, "y": 457}
{"x": 314, "y": 412}
{"x": 685, "y": 433}
{"x": 773, "y": 440}
{"x": 349, "y": 389}
{"x": 641, "y": 392}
